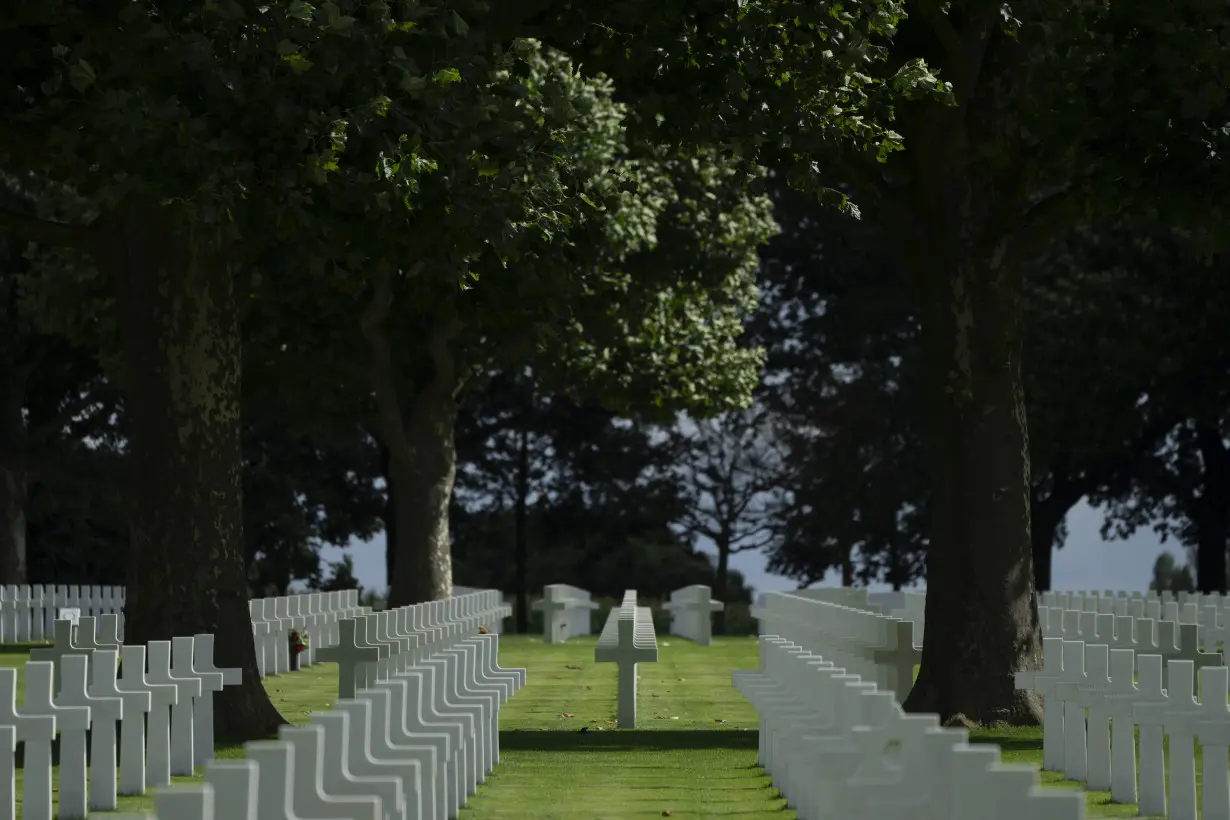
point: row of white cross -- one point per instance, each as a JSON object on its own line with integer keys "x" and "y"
{"x": 565, "y": 612}
{"x": 627, "y": 639}
{"x": 415, "y": 732}
{"x": 691, "y": 611}
{"x": 316, "y": 613}
{"x": 839, "y": 746}
{"x": 27, "y": 611}
{"x": 1100, "y": 685}
{"x": 155, "y": 700}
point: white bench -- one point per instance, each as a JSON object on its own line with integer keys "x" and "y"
{"x": 627, "y": 639}
{"x": 565, "y": 612}
{"x": 691, "y": 609}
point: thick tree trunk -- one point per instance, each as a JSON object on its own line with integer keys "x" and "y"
{"x": 1213, "y": 511}
{"x": 847, "y": 569}
{"x": 721, "y": 581}
{"x": 422, "y": 453}
{"x": 981, "y": 616}
{"x": 186, "y": 563}
{"x": 389, "y": 513}
{"x": 13, "y": 477}
{"x": 521, "y": 536}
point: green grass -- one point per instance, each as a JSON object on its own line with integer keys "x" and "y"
{"x": 693, "y": 753}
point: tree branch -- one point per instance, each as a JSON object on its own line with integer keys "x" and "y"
{"x": 50, "y": 234}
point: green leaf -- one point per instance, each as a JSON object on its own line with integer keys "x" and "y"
{"x": 447, "y": 76}
{"x": 585, "y": 198}
{"x": 81, "y": 76}
{"x": 459, "y": 25}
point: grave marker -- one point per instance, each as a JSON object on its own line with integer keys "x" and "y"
{"x": 105, "y": 712}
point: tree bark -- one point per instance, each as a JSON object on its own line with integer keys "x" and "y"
{"x": 1213, "y": 514}
{"x": 389, "y": 513}
{"x": 521, "y": 536}
{"x": 981, "y": 616}
{"x": 13, "y": 475}
{"x": 847, "y": 568}
{"x": 186, "y": 574}
{"x": 721, "y": 580}
{"x": 1047, "y": 514}
{"x": 422, "y": 452}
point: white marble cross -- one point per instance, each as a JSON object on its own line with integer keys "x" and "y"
{"x": 159, "y": 674}
{"x": 1181, "y": 722}
{"x": 65, "y": 643}
{"x": 626, "y": 640}
{"x": 1149, "y": 712}
{"x": 1120, "y": 702}
{"x": 1044, "y": 682}
{"x": 105, "y": 712}
{"x": 1213, "y": 732}
{"x": 203, "y": 713}
{"x": 72, "y": 722}
{"x": 36, "y": 732}
{"x": 1093, "y": 699}
{"x": 1068, "y": 692}
{"x": 353, "y": 659}
{"x": 156, "y": 765}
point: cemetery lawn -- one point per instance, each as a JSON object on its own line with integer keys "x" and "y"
{"x": 693, "y": 753}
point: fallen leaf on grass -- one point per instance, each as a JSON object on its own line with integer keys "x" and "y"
{"x": 719, "y": 720}
{"x": 566, "y": 714}
{"x": 555, "y": 677}
{"x": 666, "y": 814}
{"x": 571, "y": 666}
{"x": 664, "y": 717}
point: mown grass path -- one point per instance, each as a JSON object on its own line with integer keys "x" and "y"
{"x": 692, "y": 755}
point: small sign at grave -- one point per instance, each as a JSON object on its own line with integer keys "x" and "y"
{"x": 70, "y": 613}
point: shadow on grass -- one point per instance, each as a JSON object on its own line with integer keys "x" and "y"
{"x": 628, "y": 740}
{"x": 22, "y": 648}
{"x": 1011, "y": 744}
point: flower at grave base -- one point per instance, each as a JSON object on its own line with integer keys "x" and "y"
{"x": 298, "y": 641}
{"x": 482, "y": 630}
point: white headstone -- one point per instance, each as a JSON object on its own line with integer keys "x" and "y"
{"x": 72, "y": 722}
{"x": 105, "y": 712}
{"x": 156, "y": 764}
{"x": 36, "y": 732}
{"x": 1149, "y": 712}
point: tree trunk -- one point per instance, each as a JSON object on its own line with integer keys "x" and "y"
{"x": 847, "y": 568}
{"x": 1213, "y": 523}
{"x": 981, "y": 616}
{"x": 721, "y": 580}
{"x": 422, "y": 453}
{"x": 186, "y": 562}
{"x": 521, "y": 537}
{"x": 388, "y": 513}
{"x": 1047, "y": 514}
{"x": 13, "y": 477}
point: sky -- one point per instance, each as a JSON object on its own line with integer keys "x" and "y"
{"x": 1084, "y": 562}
